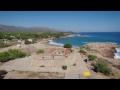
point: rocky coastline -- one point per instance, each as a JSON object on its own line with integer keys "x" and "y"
{"x": 104, "y": 49}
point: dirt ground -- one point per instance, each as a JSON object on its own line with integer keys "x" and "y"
{"x": 33, "y": 75}
{"x": 115, "y": 72}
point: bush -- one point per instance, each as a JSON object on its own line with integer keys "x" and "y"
{"x": 3, "y": 72}
{"x": 40, "y": 51}
{"x": 82, "y": 51}
{"x": 64, "y": 67}
{"x": 102, "y": 68}
{"x": 11, "y": 54}
{"x": 27, "y": 42}
{"x": 92, "y": 57}
{"x": 67, "y": 45}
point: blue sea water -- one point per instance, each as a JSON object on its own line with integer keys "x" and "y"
{"x": 113, "y": 37}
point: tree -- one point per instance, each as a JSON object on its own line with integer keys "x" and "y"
{"x": 67, "y": 45}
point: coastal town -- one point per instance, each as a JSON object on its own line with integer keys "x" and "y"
{"x": 37, "y": 59}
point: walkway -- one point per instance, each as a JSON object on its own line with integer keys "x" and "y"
{"x": 76, "y": 72}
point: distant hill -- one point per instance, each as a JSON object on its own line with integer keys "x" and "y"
{"x": 6, "y": 28}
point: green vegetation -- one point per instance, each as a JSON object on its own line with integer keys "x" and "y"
{"x": 40, "y": 51}
{"x": 27, "y": 35}
{"x": 102, "y": 68}
{"x": 11, "y": 54}
{"x": 67, "y": 45}
{"x": 27, "y": 42}
{"x": 83, "y": 51}
{"x": 64, "y": 67}
{"x": 3, "y": 45}
{"x": 92, "y": 57}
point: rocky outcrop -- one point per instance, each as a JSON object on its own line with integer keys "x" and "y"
{"x": 104, "y": 49}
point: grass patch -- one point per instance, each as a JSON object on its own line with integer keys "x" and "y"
{"x": 92, "y": 57}
{"x": 83, "y": 51}
{"x": 40, "y": 51}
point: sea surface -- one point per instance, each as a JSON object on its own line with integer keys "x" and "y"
{"x": 113, "y": 37}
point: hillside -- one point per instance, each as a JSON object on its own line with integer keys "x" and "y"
{"x": 6, "y": 28}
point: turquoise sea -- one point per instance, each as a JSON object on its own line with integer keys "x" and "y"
{"x": 113, "y": 37}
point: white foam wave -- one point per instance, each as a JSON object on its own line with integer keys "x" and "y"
{"x": 117, "y": 54}
{"x": 59, "y": 44}
{"x": 54, "y": 43}
{"x": 118, "y": 49}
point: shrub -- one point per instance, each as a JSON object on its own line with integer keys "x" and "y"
{"x": 67, "y": 45}
{"x": 92, "y": 57}
{"x": 64, "y": 67}
{"x": 3, "y": 72}
{"x": 27, "y": 42}
{"x": 40, "y": 51}
{"x": 82, "y": 51}
{"x": 11, "y": 54}
{"x": 102, "y": 68}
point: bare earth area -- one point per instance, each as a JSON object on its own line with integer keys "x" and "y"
{"x": 23, "y": 68}
{"x": 32, "y": 75}
{"x": 24, "y": 64}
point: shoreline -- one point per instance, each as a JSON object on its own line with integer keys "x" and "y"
{"x": 80, "y": 45}
{"x": 113, "y": 51}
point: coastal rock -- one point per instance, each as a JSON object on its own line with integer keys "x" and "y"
{"x": 104, "y": 49}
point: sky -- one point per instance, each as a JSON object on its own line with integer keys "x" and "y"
{"x": 78, "y": 21}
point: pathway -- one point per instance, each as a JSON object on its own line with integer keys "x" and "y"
{"x": 75, "y": 72}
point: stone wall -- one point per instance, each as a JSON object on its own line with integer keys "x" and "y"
{"x": 57, "y": 61}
